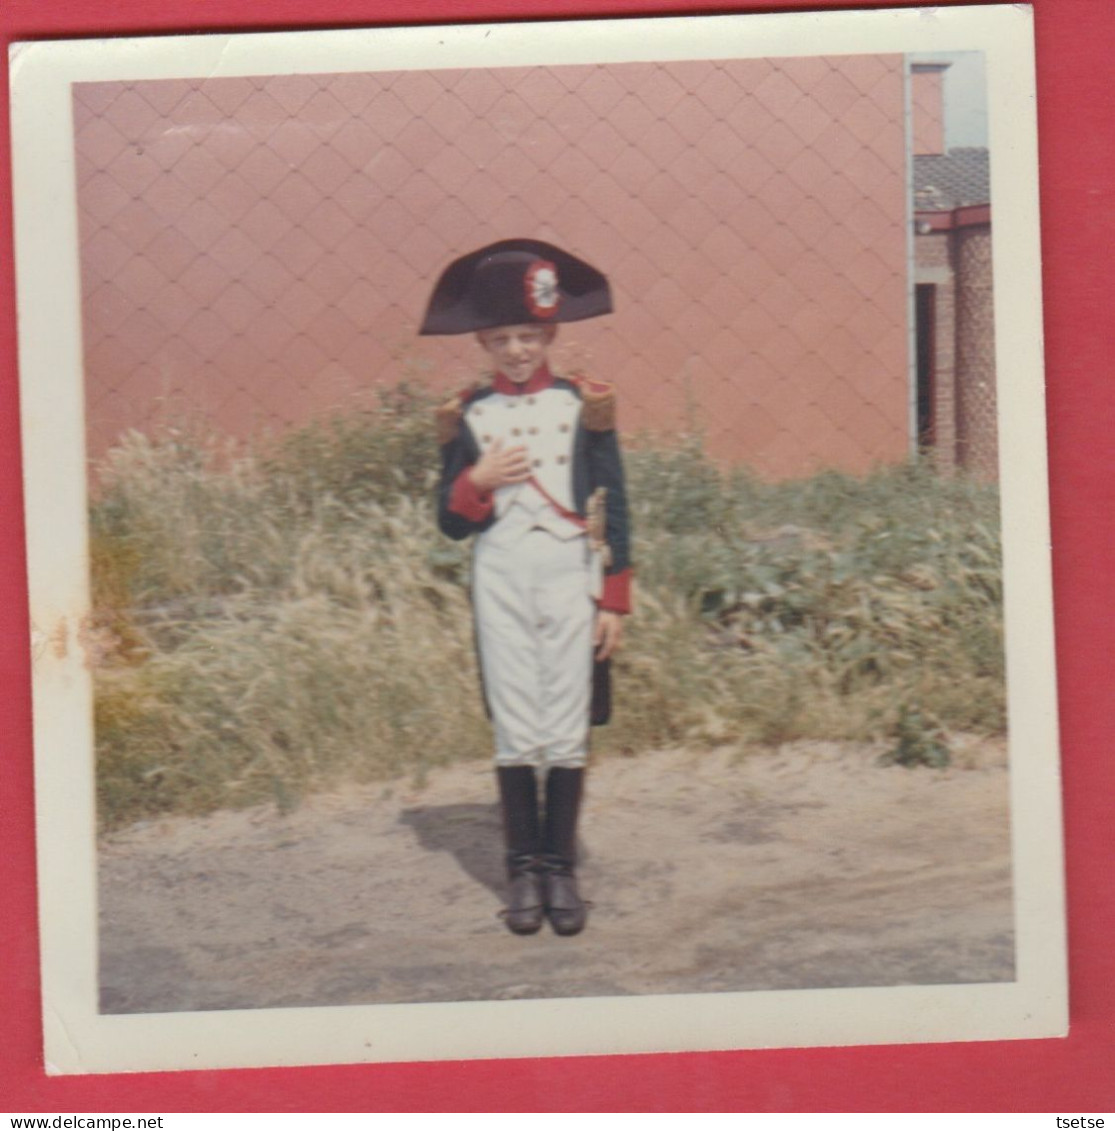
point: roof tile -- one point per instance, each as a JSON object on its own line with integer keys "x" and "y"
{"x": 951, "y": 180}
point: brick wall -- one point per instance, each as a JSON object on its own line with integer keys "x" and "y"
{"x": 258, "y": 251}
{"x": 977, "y": 435}
{"x": 956, "y": 261}
{"x": 934, "y": 267}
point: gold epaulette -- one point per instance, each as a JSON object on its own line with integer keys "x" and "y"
{"x": 598, "y": 413}
{"x": 448, "y": 413}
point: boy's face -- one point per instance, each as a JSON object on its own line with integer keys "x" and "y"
{"x": 517, "y": 351}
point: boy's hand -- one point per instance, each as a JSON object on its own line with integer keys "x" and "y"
{"x": 607, "y": 634}
{"x": 498, "y": 467}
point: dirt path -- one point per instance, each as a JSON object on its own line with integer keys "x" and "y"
{"x": 808, "y": 867}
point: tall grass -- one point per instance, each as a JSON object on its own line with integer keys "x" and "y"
{"x": 290, "y": 618}
{"x": 827, "y": 606}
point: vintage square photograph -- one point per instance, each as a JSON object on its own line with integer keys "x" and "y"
{"x": 544, "y": 531}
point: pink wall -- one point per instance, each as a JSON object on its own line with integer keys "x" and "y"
{"x": 256, "y": 251}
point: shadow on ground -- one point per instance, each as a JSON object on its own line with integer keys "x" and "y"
{"x": 471, "y": 834}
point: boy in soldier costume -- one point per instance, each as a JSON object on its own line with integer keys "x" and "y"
{"x": 531, "y": 467}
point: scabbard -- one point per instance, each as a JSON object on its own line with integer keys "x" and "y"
{"x": 601, "y": 710}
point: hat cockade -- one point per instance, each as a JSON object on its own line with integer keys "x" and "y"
{"x": 515, "y": 282}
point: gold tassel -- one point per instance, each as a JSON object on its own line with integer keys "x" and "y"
{"x": 596, "y": 524}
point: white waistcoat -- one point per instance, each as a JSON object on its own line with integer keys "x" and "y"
{"x": 545, "y": 423}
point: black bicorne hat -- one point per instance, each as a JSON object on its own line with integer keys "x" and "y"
{"x": 512, "y": 283}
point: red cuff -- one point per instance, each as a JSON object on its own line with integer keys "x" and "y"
{"x": 616, "y": 597}
{"x": 467, "y": 501}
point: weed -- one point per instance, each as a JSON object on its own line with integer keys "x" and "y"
{"x": 921, "y": 741}
{"x": 289, "y": 617}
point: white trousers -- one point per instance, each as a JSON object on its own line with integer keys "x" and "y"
{"x": 534, "y": 622}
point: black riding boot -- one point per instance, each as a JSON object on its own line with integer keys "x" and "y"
{"x": 566, "y": 910}
{"x": 518, "y": 795}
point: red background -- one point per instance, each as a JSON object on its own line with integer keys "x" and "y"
{"x": 1077, "y": 124}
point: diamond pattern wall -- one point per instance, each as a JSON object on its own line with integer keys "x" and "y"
{"x": 258, "y": 251}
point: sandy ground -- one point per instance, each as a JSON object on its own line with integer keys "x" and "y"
{"x": 807, "y": 867}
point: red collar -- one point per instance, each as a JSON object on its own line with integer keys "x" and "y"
{"x": 540, "y": 379}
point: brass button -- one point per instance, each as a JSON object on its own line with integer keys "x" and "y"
{"x": 532, "y": 431}
{"x": 530, "y": 400}
{"x": 487, "y": 439}
{"x": 561, "y": 459}
{"x": 516, "y": 431}
{"x": 537, "y": 463}
{"x": 564, "y": 428}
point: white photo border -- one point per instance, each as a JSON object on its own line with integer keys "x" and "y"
{"x": 78, "y": 1039}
